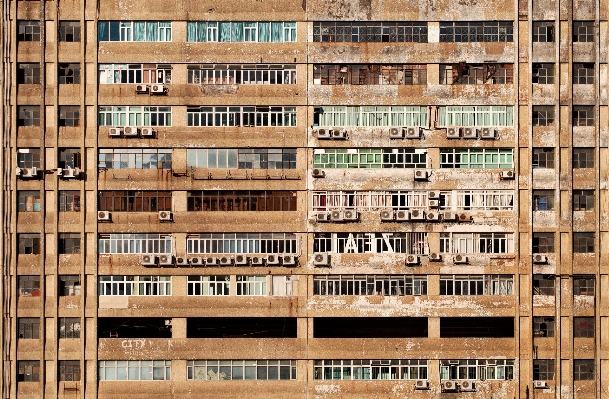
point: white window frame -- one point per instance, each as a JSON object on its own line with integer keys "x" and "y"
{"x": 370, "y": 158}
{"x": 252, "y": 285}
{"x": 401, "y": 369}
{"x": 357, "y": 285}
{"x": 134, "y": 370}
{"x": 134, "y": 285}
{"x": 206, "y": 370}
{"x": 404, "y": 243}
{"x": 127, "y": 243}
{"x": 208, "y": 285}
{"x": 477, "y": 158}
{"x": 469, "y": 243}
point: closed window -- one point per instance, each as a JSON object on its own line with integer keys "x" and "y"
{"x": 543, "y": 284}
{"x": 543, "y": 369}
{"x": 544, "y": 326}
{"x": 260, "y": 201}
{"x": 69, "y": 370}
{"x": 543, "y": 158}
{"x": 28, "y": 157}
{"x": 28, "y": 201}
{"x": 583, "y": 200}
{"x": 69, "y": 74}
{"x": 69, "y": 115}
{"x": 478, "y": 31}
{"x": 134, "y": 370}
{"x": 28, "y": 285}
{"x": 543, "y": 243}
{"x": 583, "y": 74}
{"x": 28, "y": 31}
{"x": 69, "y": 31}
{"x": 69, "y": 201}
{"x": 135, "y": 158}
{"x": 543, "y": 74}
{"x": 69, "y": 327}
{"x": 583, "y": 31}
{"x": 583, "y": 115}
{"x": 69, "y": 243}
{"x": 583, "y": 285}
{"x": 29, "y": 327}
{"x": 28, "y": 115}
{"x": 543, "y": 31}
{"x": 583, "y": 243}
{"x": 29, "y": 244}
{"x": 583, "y": 369}
{"x": 543, "y": 200}
{"x": 370, "y": 31}
{"x": 583, "y": 158}
{"x": 134, "y": 31}
{"x": 543, "y": 115}
{"x": 583, "y": 327}
{"x": 28, "y": 74}
{"x": 241, "y": 369}
{"x": 134, "y": 201}
{"x": 28, "y": 370}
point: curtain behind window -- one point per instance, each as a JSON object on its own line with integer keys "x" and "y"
{"x": 103, "y": 34}
{"x": 224, "y": 32}
{"x": 139, "y": 31}
{"x": 237, "y": 32}
{"x": 152, "y": 31}
{"x": 264, "y": 31}
{"x": 276, "y": 31}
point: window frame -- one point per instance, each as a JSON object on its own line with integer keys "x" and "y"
{"x": 543, "y": 200}
{"x": 543, "y": 32}
{"x": 583, "y": 200}
{"x": 69, "y": 31}
{"x": 33, "y": 197}
{"x": 69, "y": 328}
{"x": 584, "y": 242}
{"x": 28, "y": 328}
{"x": 68, "y": 243}
{"x": 544, "y": 284}
{"x": 583, "y": 158}
{"x": 543, "y": 157}
{"x": 543, "y": 242}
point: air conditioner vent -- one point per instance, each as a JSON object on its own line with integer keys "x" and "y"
{"x": 165, "y": 216}
{"x": 104, "y": 216}
{"x": 321, "y": 259}
{"x": 387, "y": 215}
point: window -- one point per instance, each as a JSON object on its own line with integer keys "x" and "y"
{"x": 69, "y": 31}
{"x": 241, "y": 158}
{"x": 69, "y": 370}
{"x": 342, "y": 158}
{"x": 478, "y": 116}
{"x": 476, "y": 369}
{"x": 69, "y": 158}
{"x": 370, "y": 116}
{"x": 69, "y": 243}
{"x": 543, "y": 243}
{"x": 406, "y": 243}
{"x": 398, "y": 369}
{"x": 28, "y": 157}
{"x": 241, "y": 116}
{"x": 362, "y": 32}
{"x": 134, "y": 244}
{"x": 69, "y": 74}
{"x": 28, "y": 115}
{"x": 477, "y": 243}
{"x": 476, "y": 74}
{"x": 583, "y": 369}
{"x": 493, "y": 200}
{"x": 134, "y": 370}
{"x": 208, "y": 285}
{"x": 543, "y": 369}
{"x": 134, "y": 201}
{"x": 543, "y": 158}
{"x": 543, "y": 284}
{"x": 477, "y": 158}
{"x": 242, "y": 243}
{"x": 135, "y": 158}
{"x": 134, "y": 116}
{"x": 28, "y": 285}
{"x": 583, "y": 200}
{"x": 543, "y": 115}
{"x": 69, "y": 327}
{"x": 477, "y": 285}
{"x": 369, "y": 200}
{"x": 29, "y": 327}
{"x": 483, "y": 31}
{"x": 583, "y": 243}
{"x": 543, "y": 200}
{"x": 386, "y": 285}
{"x": 134, "y": 73}
{"x": 583, "y": 31}
{"x": 252, "y": 285}
{"x": 28, "y": 370}
{"x": 241, "y": 369}
{"x": 261, "y": 32}
{"x": 583, "y": 115}
{"x": 134, "y": 31}
{"x": 583, "y": 285}
{"x": 583, "y": 158}
{"x": 370, "y": 74}
{"x": 28, "y": 74}
{"x": 543, "y": 31}
{"x": 134, "y": 285}
{"x": 543, "y": 74}
{"x": 69, "y": 201}
{"x": 69, "y": 115}
{"x": 284, "y": 201}
{"x": 28, "y": 201}
{"x": 28, "y": 31}
{"x": 583, "y": 74}
{"x": 29, "y": 244}
{"x": 242, "y": 74}
{"x": 544, "y": 326}
{"x": 69, "y": 285}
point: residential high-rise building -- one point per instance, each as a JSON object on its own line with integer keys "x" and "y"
{"x": 327, "y": 199}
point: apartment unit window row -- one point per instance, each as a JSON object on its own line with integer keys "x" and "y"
{"x": 472, "y": 74}
{"x": 241, "y": 74}
{"x": 208, "y": 285}
{"x": 28, "y": 74}
{"x": 481, "y": 31}
{"x": 477, "y": 243}
{"x": 391, "y": 369}
{"x": 227, "y": 200}
{"x": 134, "y": 243}
{"x": 134, "y": 31}
{"x": 246, "y": 285}
{"x": 363, "y": 32}
{"x": 386, "y": 285}
{"x": 69, "y": 115}
{"x": 241, "y": 158}
{"x": 366, "y": 74}
{"x": 28, "y": 31}
{"x": 358, "y": 158}
{"x": 476, "y": 158}
{"x": 134, "y": 370}
{"x": 134, "y": 116}
{"x": 467, "y": 200}
{"x": 134, "y": 201}
{"x": 369, "y": 200}
{"x": 359, "y": 243}
{"x": 242, "y": 243}
{"x": 477, "y": 369}
{"x": 134, "y": 73}
{"x": 241, "y": 370}
{"x": 381, "y": 116}
{"x": 542, "y": 73}
{"x": 135, "y": 158}
{"x": 224, "y": 32}
{"x": 241, "y": 116}
{"x": 476, "y": 115}
{"x": 134, "y": 285}
{"x": 495, "y": 284}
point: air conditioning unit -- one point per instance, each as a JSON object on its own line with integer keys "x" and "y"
{"x": 196, "y": 261}
{"x": 449, "y": 216}
{"x": 157, "y": 89}
{"x": 417, "y": 214}
{"x": 433, "y": 195}
{"x": 465, "y": 218}
{"x": 338, "y": 133}
{"x": 433, "y": 216}
{"x": 226, "y": 261}
{"x": 323, "y": 134}
{"x": 130, "y": 131}
{"x": 289, "y": 260}
{"x": 321, "y": 259}
{"x": 148, "y": 260}
{"x": 165, "y": 260}
{"x": 469, "y": 133}
{"x": 540, "y": 384}
{"x": 434, "y": 203}
{"x": 412, "y": 260}
{"x": 147, "y": 132}
{"x": 435, "y": 257}
{"x": 412, "y": 132}
{"x": 450, "y": 386}
{"x": 115, "y": 131}
{"x": 318, "y": 173}
{"x": 467, "y": 386}
{"x": 507, "y": 175}
{"x": 460, "y": 259}
{"x": 421, "y": 384}
{"x": 257, "y": 260}
{"x": 272, "y": 259}
{"x": 322, "y": 216}
{"x": 104, "y": 216}
{"x": 165, "y": 216}
{"x": 452, "y": 132}
{"x": 141, "y": 89}
{"x": 396, "y": 133}
{"x": 336, "y": 216}
{"x": 387, "y": 215}
{"x": 68, "y": 173}
{"x": 421, "y": 175}
{"x": 539, "y": 258}
{"x": 241, "y": 260}
{"x": 402, "y": 216}
{"x": 350, "y": 215}
{"x": 488, "y": 133}
{"x": 211, "y": 261}
{"x": 27, "y": 173}
{"x": 182, "y": 261}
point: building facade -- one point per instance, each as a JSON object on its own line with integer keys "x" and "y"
{"x": 318, "y": 199}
